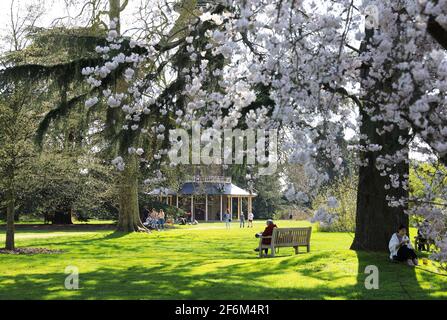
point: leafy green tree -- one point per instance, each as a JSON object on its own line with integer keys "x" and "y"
{"x": 62, "y": 185}
{"x": 17, "y": 125}
{"x": 269, "y": 196}
{"x": 58, "y": 55}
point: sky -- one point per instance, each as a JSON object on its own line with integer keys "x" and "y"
{"x": 53, "y": 9}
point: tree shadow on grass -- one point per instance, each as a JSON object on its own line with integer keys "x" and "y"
{"x": 238, "y": 280}
{"x": 114, "y": 235}
{"x": 211, "y": 270}
{"x": 230, "y": 273}
{"x": 158, "y": 282}
{"x": 396, "y": 280}
{"x": 95, "y": 236}
{"x": 180, "y": 279}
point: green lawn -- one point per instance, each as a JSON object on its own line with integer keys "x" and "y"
{"x": 205, "y": 262}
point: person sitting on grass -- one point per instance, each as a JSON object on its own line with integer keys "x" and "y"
{"x": 401, "y": 248}
{"x": 152, "y": 218}
{"x": 147, "y": 223}
{"x": 268, "y": 231}
{"x": 182, "y": 220}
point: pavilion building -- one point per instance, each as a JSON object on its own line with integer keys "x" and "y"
{"x": 208, "y": 198}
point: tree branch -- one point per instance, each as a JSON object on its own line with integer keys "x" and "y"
{"x": 437, "y": 31}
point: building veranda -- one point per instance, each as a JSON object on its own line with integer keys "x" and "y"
{"x": 207, "y": 198}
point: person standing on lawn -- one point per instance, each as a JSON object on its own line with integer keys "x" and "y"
{"x": 161, "y": 220}
{"x": 227, "y": 218}
{"x": 250, "y": 218}
{"x": 242, "y": 220}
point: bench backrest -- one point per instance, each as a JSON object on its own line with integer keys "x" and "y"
{"x": 291, "y": 236}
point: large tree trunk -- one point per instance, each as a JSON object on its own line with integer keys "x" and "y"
{"x": 10, "y": 243}
{"x": 376, "y": 220}
{"x": 129, "y": 213}
{"x": 437, "y": 31}
{"x": 62, "y": 215}
{"x": 114, "y": 12}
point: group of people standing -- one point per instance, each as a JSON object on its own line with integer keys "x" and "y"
{"x": 227, "y": 219}
{"x": 155, "y": 219}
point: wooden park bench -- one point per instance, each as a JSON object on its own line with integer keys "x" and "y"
{"x": 286, "y": 237}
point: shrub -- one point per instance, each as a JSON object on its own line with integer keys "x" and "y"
{"x": 297, "y": 213}
{"x": 335, "y": 206}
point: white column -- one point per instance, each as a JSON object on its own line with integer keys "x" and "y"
{"x": 206, "y": 207}
{"x": 176, "y": 200}
{"x": 192, "y": 207}
{"x": 221, "y": 207}
{"x": 231, "y": 207}
{"x": 249, "y": 204}
{"x": 238, "y": 207}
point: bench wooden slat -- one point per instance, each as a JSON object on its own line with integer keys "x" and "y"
{"x": 287, "y": 237}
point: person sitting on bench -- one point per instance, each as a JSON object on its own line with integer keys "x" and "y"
{"x": 268, "y": 231}
{"x": 401, "y": 248}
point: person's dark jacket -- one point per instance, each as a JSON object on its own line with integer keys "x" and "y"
{"x": 268, "y": 232}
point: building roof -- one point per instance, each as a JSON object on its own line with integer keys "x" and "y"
{"x": 190, "y": 188}
{"x": 204, "y": 188}
{"x": 162, "y": 191}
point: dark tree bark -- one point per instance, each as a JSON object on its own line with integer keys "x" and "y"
{"x": 376, "y": 220}
{"x": 10, "y": 230}
{"x": 437, "y": 31}
{"x": 62, "y": 216}
{"x": 114, "y": 12}
{"x": 129, "y": 213}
